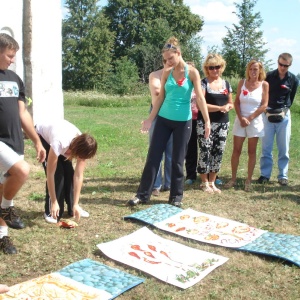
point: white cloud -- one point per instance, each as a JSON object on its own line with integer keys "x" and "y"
{"x": 216, "y": 15}
{"x": 215, "y": 12}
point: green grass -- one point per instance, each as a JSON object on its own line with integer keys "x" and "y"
{"x": 112, "y": 177}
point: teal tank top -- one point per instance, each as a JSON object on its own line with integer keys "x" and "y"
{"x": 177, "y": 103}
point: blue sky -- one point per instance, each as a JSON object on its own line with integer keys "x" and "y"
{"x": 280, "y": 27}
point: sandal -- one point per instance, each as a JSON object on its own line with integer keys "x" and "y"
{"x": 230, "y": 184}
{"x": 206, "y": 188}
{"x": 214, "y": 188}
{"x": 248, "y": 186}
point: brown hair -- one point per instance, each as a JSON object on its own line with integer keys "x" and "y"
{"x": 213, "y": 59}
{"x": 191, "y": 63}
{"x": 172, "y": 44}
{"x": 262, "y": 73}
{"x": 6, "y": 41}
{"x": 286, "y": 56}
{"x": 83, "y": 146}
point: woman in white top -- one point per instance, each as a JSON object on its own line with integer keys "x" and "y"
{"x": 250, "y": 102}
{"x": 63, "y": 141}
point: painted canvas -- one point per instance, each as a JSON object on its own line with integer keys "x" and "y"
{"x": 166, "y": 260}
{"x": 210, "y": 229}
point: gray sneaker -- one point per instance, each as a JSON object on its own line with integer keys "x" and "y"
{"x": 7, "y": 246}
{"x": 283, "y": 181}
{"x": 134, "y": 201}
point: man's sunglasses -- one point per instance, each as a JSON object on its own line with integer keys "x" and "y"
{"x": 282, "y": 65}
{"x": 214, "y": 67}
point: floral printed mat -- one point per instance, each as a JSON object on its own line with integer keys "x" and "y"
{"x": 166, "y": 260}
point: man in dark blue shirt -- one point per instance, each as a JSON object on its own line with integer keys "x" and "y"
{"x": 282, "y": 90}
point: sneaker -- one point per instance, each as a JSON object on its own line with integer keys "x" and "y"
{"x": 283, "y": 181}
{"x": 83, "y": 213}
{"x": 176, "y": 203}
{"x": 166, "y": 189}
{"x": 189, "y": 181}
{"x": 11, "y": 218}
{"x": 7, "y": 246}
{"x": 155, "y": 192}
{"x": 218, "y": 181}
{"x": 135, "y": 201}
{"x": 50, "y": 219}
{"x": 262, "y": 180}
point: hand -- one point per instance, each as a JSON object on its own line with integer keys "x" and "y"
{"x": 227, "y": 107}
{"x": 54, "y": 209}
{"x": 76, "y": 212}
{"x": 207, "y": 130}
{"x": 3, "y": 288}
{"x": 146, "y": 125}
{"x": 41, "y": 153}
{"x": 245, "y": 122}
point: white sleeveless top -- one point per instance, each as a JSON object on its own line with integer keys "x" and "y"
{"x": 250, "y": 101}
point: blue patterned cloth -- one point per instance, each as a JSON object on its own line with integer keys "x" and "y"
{"x": 100, "y": 276}
{"x": 155, "y": 213}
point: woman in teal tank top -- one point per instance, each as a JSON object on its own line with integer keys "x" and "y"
{"x": 173, "y": 111}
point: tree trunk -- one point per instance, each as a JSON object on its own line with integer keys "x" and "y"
{"x": 27, "y": 47}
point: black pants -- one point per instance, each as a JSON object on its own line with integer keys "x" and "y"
{"x": 191, "y": 158}
{"x": 63, "y": 179}
{"x": 181, "y": 134}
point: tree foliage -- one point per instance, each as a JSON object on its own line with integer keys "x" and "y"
{"x": 87, "y": 46}
{"x": 142, "y": 27}
{"x": 125, "y": 79}
{"x": 244, "y": 41}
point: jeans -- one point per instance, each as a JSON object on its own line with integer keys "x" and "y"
{"x": 282, "y": 130}
{"x": 163, "y": 130}
{"x": 167, "y": 163}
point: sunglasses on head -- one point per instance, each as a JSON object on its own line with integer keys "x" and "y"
{"x": 214, "y": 67}
{"x": 283, "y": 65}
{"x": 169, "y": 46}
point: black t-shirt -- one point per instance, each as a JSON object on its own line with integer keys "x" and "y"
{"x": 11, "y": 91}
{"x": 281, "y": 91}
{"x": 220, "y": 99}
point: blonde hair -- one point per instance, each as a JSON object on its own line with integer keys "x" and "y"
{"x": 213, "y": 59}
{"x": 262, "y": 73}
{"x": 172, "y": 44}
{"x": 83, "y": 146}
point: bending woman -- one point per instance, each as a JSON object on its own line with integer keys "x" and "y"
{"x": 174, "y": 116}
{"x": 63, "y": 141}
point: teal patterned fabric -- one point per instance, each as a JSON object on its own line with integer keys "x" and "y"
{"x": 278, "y": 245}
{"x": 100, "y": 276}
{"x": 155, "y": 213}
{"x": 284, "y": 246}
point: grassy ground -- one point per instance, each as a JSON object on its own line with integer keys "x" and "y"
{"x": 112, "y": 178}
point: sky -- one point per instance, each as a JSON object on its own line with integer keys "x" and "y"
{"x": 281, "y": 30}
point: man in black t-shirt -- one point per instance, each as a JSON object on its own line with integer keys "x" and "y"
{"x": 13, "y": 118}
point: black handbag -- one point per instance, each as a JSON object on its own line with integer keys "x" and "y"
{"x": 276, "y": 115}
